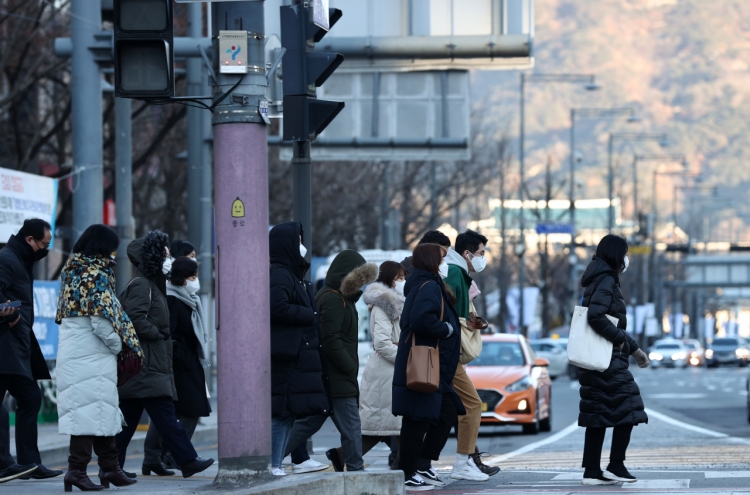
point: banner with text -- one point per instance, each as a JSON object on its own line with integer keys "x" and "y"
{"x": 45, "y": 309}
{"x": 25, "y": 196}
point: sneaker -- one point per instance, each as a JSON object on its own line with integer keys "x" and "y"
{"x": 596, "y": 479}
{"x": 278, "y": 472}
{"x": 468, "y": 471}
{"x": 619, "y": 473}
{"x": 309, "y": 466}
{"x": 431, "y": 477}
{"x": 417, "y": 484}
{"x": 477, "y": 458}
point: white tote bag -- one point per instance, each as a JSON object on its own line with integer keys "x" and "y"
{"x": 586, "y": 348}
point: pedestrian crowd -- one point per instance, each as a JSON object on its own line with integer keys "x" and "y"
{"x": 422, "y": 302}
{"x": 117, "y": 356}
{"x": 146, "y": 348}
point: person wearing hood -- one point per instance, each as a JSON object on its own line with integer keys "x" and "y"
{"x": 429, "y": 318}
{"x": 429, "y": 237}
{"x": 153, "y": 389}
{"x": 467, "y": 258}
{"x": 94, "y": 329}
{"x": 297, "y": 378}
{"x": 339, "y": 320}
{"x": 21, "y": 358}
{"x": 385, "y": 299}
{"x": 188, "y": 327}
{"x": 610, "y": 398}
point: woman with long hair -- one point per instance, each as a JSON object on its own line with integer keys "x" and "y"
{"x": 610, "y": 398}
{"x": 94, "y": 329}
{"x": 429, "y": 317}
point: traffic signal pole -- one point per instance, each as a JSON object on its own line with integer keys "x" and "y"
{"x": 241, "y": 216}
{"x": 86, "y": 88}
{"x": 194, "y": 131}
{"x": 302, "y": 193}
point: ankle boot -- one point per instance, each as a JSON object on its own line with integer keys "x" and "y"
{"x": 115, "y": 477}
{"x": 78, "y": 478}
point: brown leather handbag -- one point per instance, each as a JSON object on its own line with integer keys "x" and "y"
{"x": 423, "y": 365}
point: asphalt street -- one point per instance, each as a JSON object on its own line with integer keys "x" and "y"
{"x": 697, "y": 441}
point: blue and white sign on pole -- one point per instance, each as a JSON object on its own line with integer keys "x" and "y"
{"x": 45, "y": 308}
{"x": 554, "y": 228}
{"x": 25, "y": 196}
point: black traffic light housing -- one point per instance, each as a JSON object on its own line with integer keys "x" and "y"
{"x": 304, "y": 70}
{"x": 144, "y": 49}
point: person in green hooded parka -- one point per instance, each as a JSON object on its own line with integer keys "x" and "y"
{"x": 339, "y": 320}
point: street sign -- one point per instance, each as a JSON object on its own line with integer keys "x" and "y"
{"x": 554, "y": 228}
{"x": 636, "y": 250}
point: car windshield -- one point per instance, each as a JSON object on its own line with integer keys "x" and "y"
{"x": 668, "y": 346}
{"x": 728, "y": 342}
{"x": 500, "y": 354}
{"x": 536, "y": 347}
{"x": 690, "y": 345}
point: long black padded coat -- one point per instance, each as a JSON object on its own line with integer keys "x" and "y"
{"x": 298, "y": 378}
{"x": 611, "y": 397}
{"x": 425, "y": 294}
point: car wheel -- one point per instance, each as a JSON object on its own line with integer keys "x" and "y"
{"x": 546, "y": 423}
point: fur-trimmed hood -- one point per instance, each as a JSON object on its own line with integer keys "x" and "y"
{"x": 360, "y": 276}
{"x": 148, "y": 254}
{"x": 385, "y": 298}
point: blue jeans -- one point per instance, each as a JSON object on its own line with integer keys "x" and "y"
{"x": 281, "y": 429}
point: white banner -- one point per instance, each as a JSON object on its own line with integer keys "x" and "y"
{"x": 710, "y": 324}
{"x": 24, "y": 196}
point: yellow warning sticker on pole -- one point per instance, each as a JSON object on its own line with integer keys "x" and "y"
{"x": 639, "y": 250}
{"x": 238, "y": 208}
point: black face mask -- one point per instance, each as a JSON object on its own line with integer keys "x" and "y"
{"x": 41, "y": 254}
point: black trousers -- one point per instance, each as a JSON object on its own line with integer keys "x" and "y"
{"x": 592, "y": 447}
{"x": 162, "y": 414}
{"x": 154, "y": 450}
{"x": 80, "y": 452}
{"x": 29, "y": 400}
{"x": 6, "y": 459}
{"x": 423, "y": 440}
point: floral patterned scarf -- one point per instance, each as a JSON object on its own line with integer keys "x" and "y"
{"x": 87, "y": 288}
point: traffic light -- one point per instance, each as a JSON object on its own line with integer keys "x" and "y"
{"x": 144, "y": 49}
{"x": 304, "y": 70}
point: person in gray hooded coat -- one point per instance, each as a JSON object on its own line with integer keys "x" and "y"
{"x": 153, "y": 389}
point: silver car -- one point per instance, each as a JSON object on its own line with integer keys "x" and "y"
{"x": 554, "y": 352}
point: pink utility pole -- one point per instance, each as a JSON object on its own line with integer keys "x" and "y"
{"x": 241, "y": 219}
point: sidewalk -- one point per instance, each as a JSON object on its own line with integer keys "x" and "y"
{"x": 54, "y": 447}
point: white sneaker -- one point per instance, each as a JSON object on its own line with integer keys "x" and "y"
{"x": 309, "y": 466}
{"x": 468, "y": 471}
{"x": 278, "y": 472}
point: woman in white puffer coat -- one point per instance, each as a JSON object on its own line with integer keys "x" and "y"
{"x": 93, "y": 331}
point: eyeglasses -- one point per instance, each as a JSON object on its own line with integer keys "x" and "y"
{"x": 45, "y": 245}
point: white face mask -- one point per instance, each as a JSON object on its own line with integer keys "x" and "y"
{"x": 443, "y": 269}
{"x": 193, "y": 286}
{"x": 400, "y": 286}
{"x": 627, "y": 264}
{"x": 479, "y": 263}
{"x": 166, "y": 267}
{"x": 302, "y": 250}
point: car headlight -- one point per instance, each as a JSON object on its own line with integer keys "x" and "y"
{"x": 709, "y": 353}
{"x": 520, "y": 385}
{"x": 655, "y": 356}
{"x": 678, "y": 355}
{"x": 742, "y": 353}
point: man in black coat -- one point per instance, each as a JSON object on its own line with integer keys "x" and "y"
{"x": 21, "y": 359}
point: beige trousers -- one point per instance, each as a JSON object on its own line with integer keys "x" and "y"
{"x": 468, "y": 425}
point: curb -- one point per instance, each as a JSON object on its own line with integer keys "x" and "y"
{"x": 357, "y": 483}
{"x": 57, "y": 455}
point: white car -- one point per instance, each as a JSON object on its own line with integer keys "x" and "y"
{"x": 672, "y": 353}
{"x": 554, "y": 352}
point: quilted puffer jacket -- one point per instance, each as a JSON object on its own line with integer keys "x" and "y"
{"x": 87, "y": 399}
{"x": 611, "y": 397}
